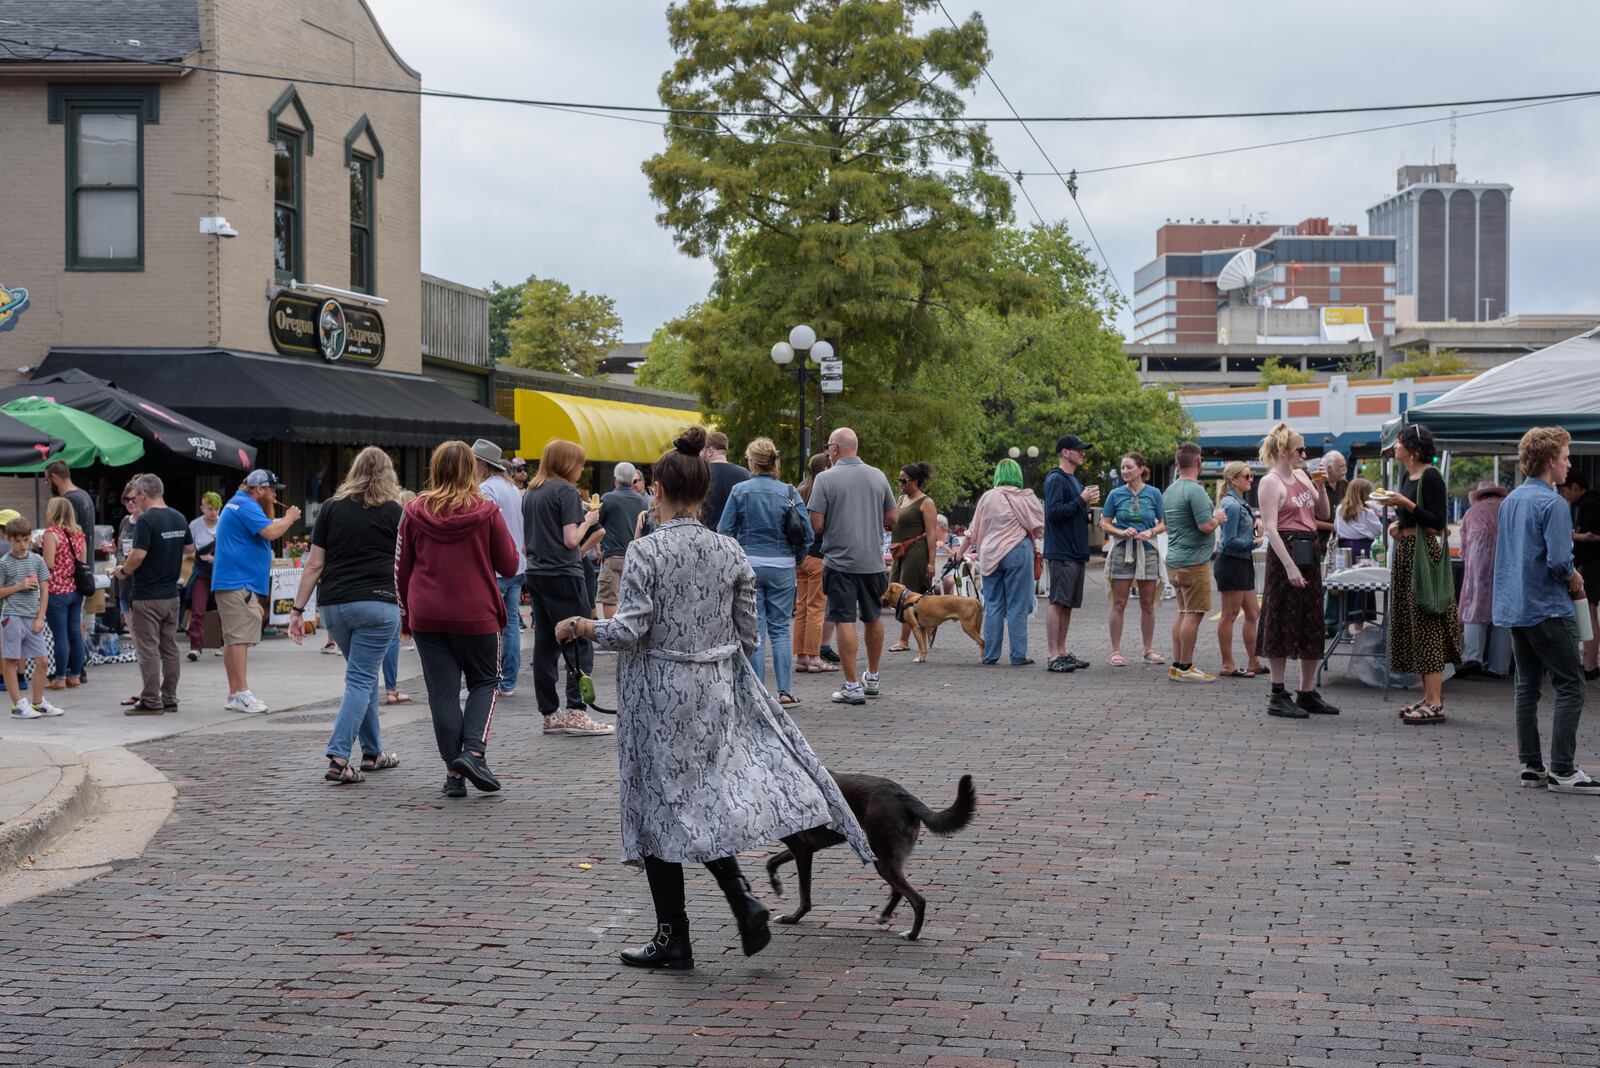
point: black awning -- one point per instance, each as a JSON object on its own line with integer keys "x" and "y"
{"x": 274, "y": 398}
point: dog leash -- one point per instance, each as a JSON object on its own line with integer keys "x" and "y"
{"x": 569, "y": 651}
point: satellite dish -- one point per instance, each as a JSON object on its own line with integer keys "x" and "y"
{"x": 1238, "y": 272}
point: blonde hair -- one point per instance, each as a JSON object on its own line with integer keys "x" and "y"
{"x": 371, "y": 478}
{"x": 762, "y": 456}
{"x": 1355, "y": 499}
{"x": 560, "y": 459}
{"x": 1280, "y": 441}
{"x": 59, "y": 513}
{"x": 452, "y": 480}
{"x": 1230, "y": 471}
{"x": 1539, "y": 448}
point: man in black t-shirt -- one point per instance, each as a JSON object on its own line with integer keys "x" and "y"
{"x": 724, "y": 476}
{"x": 161, "y": 540}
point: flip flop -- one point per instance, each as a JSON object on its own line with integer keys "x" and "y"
{"x": 129, "y": 702}
{"x": 397, "y": 698}
{"x": 898, "y": 648}
{"x": 1239, "y": 673}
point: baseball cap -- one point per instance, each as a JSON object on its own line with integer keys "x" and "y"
{"x": 263, "y": 479}
{"x": 517, "y": 463}
{"x": 1070, "y": 441}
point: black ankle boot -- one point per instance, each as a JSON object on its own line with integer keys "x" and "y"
{"x": 748, "y": 912}
{"x": 670, "y": 948}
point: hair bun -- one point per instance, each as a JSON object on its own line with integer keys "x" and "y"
{"x": 691, "y": 441}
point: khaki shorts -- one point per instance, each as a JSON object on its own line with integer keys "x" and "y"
{"x": 240, "y": 611}
{"x": 610, "y": 580}
{"x": 1193, "y": 586}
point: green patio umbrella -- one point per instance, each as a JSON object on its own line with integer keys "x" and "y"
{"x": 90, "y": 440}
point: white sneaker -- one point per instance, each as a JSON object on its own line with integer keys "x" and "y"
{"x": 1576, "y": 783}
{"x": 24, "y": 709}
{"x": 245, "y": 701}
{"x": 45, "y": 708}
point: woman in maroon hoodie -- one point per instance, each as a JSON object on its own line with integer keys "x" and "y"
{"x": 452, "y": 542}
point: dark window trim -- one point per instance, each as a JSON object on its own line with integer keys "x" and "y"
{"x": 363, "y": 126}
{"x": 371, "y": 225}
{"x": 75, "y": 105}
{"x": 61, "y": 94}
{"x": 289, "y": 98}
{"x": 297, "y": 267}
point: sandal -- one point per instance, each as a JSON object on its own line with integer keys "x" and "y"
{"x": 1118, "y": 660}
{"x": 1238, "y": 673}
{"x": 1153, "y": 657}
{"x": 825, "y": 666}
{"x": 1412, "y": 707}
{"x": 343, "y": 774}
{"x": 397, "y": 698}
{"x": 1424, "y": 713}
{"x": 381, "y": 762}
{"x": 787, "y": 700}
{"x": 898, "y": 647}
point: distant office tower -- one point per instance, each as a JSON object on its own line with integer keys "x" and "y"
{"x": 1452, "y": 243}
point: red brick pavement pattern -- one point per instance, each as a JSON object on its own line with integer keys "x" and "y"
{"x": 1158, "y": 875}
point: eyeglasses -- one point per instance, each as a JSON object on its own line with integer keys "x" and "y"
{"x": 832, "y": 446}
{"x": 903, "y": 480}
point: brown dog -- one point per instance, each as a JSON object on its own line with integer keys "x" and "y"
{"x": 926, "y": 611}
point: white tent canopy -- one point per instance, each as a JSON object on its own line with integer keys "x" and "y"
{"x": 1557, "y": 386}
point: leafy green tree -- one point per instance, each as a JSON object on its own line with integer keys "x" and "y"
{"x": 1438, "y": 362}
{"x": 666, "y": 360}
{"x": 844, "y": 222}
{"x": 1276, "y": 372}
{"x": 503, "y": 303}
{"x": 555, "y": 329}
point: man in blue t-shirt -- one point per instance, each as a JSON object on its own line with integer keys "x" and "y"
{"x": 1067, "y": 505}
{"x": 242, "y": 575}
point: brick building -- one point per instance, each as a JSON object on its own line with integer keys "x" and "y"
{"x": 246, "y": 250}
{"x": 1177, "y": 300}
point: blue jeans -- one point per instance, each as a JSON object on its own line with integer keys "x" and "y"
{"x": 391, "y": 664}
{"x": 511, "y": 637}
{"x": 774, "y": 618}
{"x": 363, "y": 631}
{"x": 64, "y": 613}
{"x": 1006, "y": 595}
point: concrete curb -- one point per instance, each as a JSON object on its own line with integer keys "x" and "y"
{"x": 60, "y": 810}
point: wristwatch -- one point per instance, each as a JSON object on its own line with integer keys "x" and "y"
{"x": 298, "y": 610}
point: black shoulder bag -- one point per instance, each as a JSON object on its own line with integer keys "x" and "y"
{"x": 795, "y": 530}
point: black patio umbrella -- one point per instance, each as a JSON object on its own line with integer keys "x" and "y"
{"x": 173, "y": 431}
{"x": 24, "y": 449}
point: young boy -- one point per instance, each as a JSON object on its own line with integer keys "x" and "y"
{"x": 25, "y": 590}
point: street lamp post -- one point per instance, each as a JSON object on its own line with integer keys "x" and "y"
{"x": 1027, "y": 469}
{"x": 802, "y": 339}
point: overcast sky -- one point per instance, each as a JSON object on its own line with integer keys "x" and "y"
{"x": 509, "y": 191}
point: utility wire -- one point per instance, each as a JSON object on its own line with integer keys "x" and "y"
{"x": 815, "y": 116}
{"x": 1069, "y": 183}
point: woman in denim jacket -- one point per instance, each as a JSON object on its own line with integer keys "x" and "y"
{"x": 754, "y": 516}
{"x": 1235, "y": 571}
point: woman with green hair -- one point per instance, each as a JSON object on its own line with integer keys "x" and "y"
{"x": 1007, "y": 520}
{"x": 198, "y": 596}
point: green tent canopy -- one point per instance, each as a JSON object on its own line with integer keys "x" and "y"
{"x": 89, "y": 440}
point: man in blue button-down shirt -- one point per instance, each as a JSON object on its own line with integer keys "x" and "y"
{"x": 1534, "y": 584}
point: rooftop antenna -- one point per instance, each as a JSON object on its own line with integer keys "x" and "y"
{"x": 1452, "y": 137}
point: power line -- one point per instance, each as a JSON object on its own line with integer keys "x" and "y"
{"x": 813, "y": 116}
{"x": 1069, "y": 183}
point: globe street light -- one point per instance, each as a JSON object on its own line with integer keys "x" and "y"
{"x": 1013, "y": 452}
{"x": 801, "y": 339}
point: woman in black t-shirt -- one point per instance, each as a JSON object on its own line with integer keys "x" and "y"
{"x": 1420, "y": 642}
{"x": 351, "y": 566}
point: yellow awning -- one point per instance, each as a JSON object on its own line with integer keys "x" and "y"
{"x": 609, "y": 431}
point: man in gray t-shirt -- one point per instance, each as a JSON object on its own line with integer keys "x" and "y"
{"x": 851, "y": 506}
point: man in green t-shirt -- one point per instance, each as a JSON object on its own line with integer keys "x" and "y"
{"x": 1192, "y": 520}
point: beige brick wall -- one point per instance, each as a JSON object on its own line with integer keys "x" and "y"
{"x": 209, "y": 154}
{"x": 341, "y": 40}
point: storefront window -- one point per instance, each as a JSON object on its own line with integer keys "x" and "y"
{"x": 362, "y": 193}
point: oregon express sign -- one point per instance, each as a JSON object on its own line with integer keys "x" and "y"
{"x": 307, "y": 326}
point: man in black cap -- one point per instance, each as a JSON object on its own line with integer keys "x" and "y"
{"x": 1066, "y": 547}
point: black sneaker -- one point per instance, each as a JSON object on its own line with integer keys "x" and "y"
{"x": 1576, "y": 783}
{"x": 1077, "y": 664}
{"x": 455, "y": 786}
{"x": 1312, "y": 702}
{"x": 473, "y": 767}
{"x": 1281, "y": 704}
{"x": 1533, "y": 776}
{"x": 827, "y": 653}
{"x": 1060, "y": 665}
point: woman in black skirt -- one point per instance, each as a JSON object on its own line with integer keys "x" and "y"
{"x": 1418, "y": 642}
{"x": 1291, "y": 602}
{"x": 1235, "y": 571}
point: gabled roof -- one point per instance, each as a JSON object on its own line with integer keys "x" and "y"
{"x": 140, "y": 30}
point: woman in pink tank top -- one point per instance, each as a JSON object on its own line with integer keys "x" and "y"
{"x": 1291, "y": 601}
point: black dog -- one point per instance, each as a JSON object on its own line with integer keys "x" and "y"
{"x": 891, "y": 818}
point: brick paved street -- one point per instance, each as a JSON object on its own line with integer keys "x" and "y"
{"x": 1157, "y": 875}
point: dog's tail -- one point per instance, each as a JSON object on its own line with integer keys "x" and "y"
{"x": 953, "y": 818}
